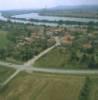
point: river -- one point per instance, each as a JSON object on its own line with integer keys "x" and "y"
{"x": 53, "y": 18}
{"x": 50, "y": 18}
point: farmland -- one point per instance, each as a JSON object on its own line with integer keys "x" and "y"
{"x": 45, "y": 86}
{"x": 38, "y": 86}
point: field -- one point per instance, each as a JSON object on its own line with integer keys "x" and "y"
{"x": 57, "y": 58}
{"x": 5, "y": 73}
{"x": 38, "y": 86}
{"x": 3, "y": 39}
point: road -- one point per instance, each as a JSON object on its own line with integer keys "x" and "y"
{"x": 48, "y": 70}
{"x": 28, "y": 66}
{"x": 31, "y": 69}
{"x": 25, "y": 66}
{"x": 60, "y": 71}
{"x": 10, "y": 78}
{"x": 31, "y": 62}
{"x": 6, "y": 64}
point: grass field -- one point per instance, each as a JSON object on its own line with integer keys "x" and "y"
{"x": 5, "y": 73}
{"x": 38, "y": 86}
{"x": 57, "y": 58}
{"x": 3, "y": 39}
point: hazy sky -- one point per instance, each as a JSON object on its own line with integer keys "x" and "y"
{"x": 21, "y": 4}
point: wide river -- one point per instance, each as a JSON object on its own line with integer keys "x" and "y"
{"x": 50, "y": 18}
{"x": 53, "y": 18}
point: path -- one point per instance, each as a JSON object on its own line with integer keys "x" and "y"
{"x": 31, "y": 62}
{"x": 10, "y": 78}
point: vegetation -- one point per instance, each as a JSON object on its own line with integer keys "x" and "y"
{"x": 38, "y": 86}
{"x": 3, "y": 39}
{"x": 80, "y": 52}
{"x": 85, "y": 90}
{"x": 60, "y": 58}
{"x": 90, "y": 89}
{"x": 5, "y": 73}
{"x": 93, "y": 88}
{"x": 22, "y": 44}
{"x": 57, "y": 58}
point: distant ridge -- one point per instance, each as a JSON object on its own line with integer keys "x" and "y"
{"x": 81, "y": 7}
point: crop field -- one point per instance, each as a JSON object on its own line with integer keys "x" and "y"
{"x": 5, "y": 73}
{"x": 57, "y": 58}
{"x": 3, "y": 39}
{"x": 39, "y": 86}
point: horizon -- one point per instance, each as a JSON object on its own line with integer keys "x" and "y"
{"x": 39, "y": 4}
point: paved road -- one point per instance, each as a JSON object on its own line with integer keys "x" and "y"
{"x": 45, "y": 70}
{"x": 10, "y": 65}
{"x": 60, "y": 71}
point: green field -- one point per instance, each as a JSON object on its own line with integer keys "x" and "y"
{"x": 38, "y": 86}
{"x": 3, "y": 39}
{"x": 57, "y": 58}
{"x": 5, "y": 73}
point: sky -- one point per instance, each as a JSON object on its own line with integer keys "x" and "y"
{"x": 33, "y": 4}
